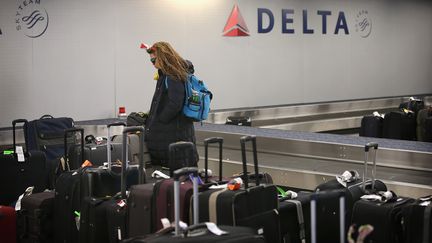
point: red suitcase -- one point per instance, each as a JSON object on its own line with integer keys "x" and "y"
{"x": 7, "y": 224}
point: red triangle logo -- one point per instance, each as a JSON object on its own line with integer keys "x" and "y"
{"x": 236, "y": 26}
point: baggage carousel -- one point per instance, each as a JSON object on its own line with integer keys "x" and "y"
{"x": 301, "y": 145}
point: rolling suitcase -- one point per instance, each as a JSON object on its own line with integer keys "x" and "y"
{"x": 67, "y": 198}
{"x": 164, "y": 189}
{"x": 254, "y": 207}
{"x": 205, "y": 232}
{"x": 98, "y": 154}
{"x": 35, "y": 219}
{"x": 20, "y": 170}
{"x": 400, "y": 125}
{"x": 117, "y": 208}
{"x": 46, "y": 134}
{"x": 416, "y": 218}
{"x": 239, "y": 121}
{"x": 371, "y": 126}
{"x": 422, "y": 117}
{"x": 7, "y": 224}
{"x": 99, "y": 187}
{"x": 353, "y": 186}
{"x": 322, "y": 206}
{"x": 264, "y": 178}
{"x": 134, "y": 147}
{"x": 294, "y": 217}
{"x": 384, "y": 214}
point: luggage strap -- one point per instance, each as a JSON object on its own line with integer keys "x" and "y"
{"x": 426, "y": 224}
{"x": 300, "y": 219}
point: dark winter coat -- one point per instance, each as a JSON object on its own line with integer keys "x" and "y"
{"x": 166, "y": 123}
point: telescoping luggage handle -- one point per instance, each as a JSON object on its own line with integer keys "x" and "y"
{"x": 177, "y": 174}
{"x": 73, "y": 131}
{"x": 116, "y": 124}
{"x": 124, "y": 156}
{"x": 14, "y": 122}
{"x": 243, "y": 141}
{"x": 208, "y": 141}
{"x": 368, "y": 146}
{"x": 313, "y": 211}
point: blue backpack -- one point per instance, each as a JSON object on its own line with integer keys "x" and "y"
{"x": 197, "y": 98}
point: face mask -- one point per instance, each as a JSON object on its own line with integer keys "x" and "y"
{"x": 153, "y": 60}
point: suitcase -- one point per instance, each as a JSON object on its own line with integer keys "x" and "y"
{"x": 99, "y": 187}
{"x": 250, "y": 206}
{"x": 197, "y": 232}
{"x": 98, "y": 154}
{"x": 35, "y": 219}
{"x": 7, "y": 224}
{"x": 164, "y": 189}
{"x": 422, "y": 116}
{"x": 133, "y": 141}
{"x": 400, "y": 125}
{"x": 355, "y": 188}
{"x": 428, "y": 129}
{"x": 20, "y": 170}
{"x": 416, "y": 218}
{"x": 324, "y": 205}
{"x": 117, "y": 208}
{"x": 371, "y": 126}
{"x": 385, "y": 217}
{"x": 46, "y": 134}
{"x": 294, "y": 217}
{"x": 239, "y": 121}
{"x": 67, "y": 198}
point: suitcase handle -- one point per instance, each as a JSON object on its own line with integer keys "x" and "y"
{"x": 208, "y": 141}
{"x": 127, "y": 130}
{"x": 73, "y": 130}
{"x": 177, "y": 174}
{"x": 367, "y": 147}
{"x": 109, "y": 160}
{"x": 14, "y": 122}
{"x": 243, "y": 141}
{"x": 46, "y": 116}
{"x": 178, "y": 146}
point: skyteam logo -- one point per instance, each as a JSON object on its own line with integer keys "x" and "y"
{"x": 31, "y": 18}
{"x": 325, "y": 22}
{"x": 236, "y": 26}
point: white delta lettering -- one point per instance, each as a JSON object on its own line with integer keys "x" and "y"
{"x": 287, "y": 19}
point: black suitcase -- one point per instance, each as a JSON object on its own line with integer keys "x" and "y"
{"x": 422, "y": 116}
{"x": 19, "y": 172}
{"x": 197, "y": 232}
{"x": 400, "y": 125}
{"x": 252, "y": 206}
{"x": 67, "y": 199}
{"x": 371, "y": 126}
{"x": 99, "y": 187}
{"x": 325, "y": 206}
{"x": 46, "y": 134}
{"x": 416, "y": 218}
{"x": 355, "y": 187}
{"x": 35, "y": 218}
{"x": 239, "y": 121}
{"x": 294, "y": 217}
{"x": 385, "y": 216}
{"x": 98, "y": 154}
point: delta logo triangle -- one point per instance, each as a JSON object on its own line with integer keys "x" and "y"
{"x": 236, "y": 26}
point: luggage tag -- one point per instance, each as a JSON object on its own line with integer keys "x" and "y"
{"x": 20, "y": 154}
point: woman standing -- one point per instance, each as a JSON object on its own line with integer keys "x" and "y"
{"x": 166, "y": 123}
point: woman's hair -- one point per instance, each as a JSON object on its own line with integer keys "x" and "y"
{"x": 169, "y": 61}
